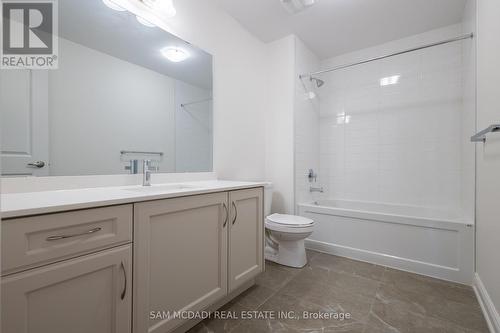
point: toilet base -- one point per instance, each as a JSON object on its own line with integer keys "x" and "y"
{"x": 288, "y": 253}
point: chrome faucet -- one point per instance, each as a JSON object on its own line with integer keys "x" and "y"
{"x": 316, "y": 189}
{"x": 133, "y": 166}
{"x": 146, "y": 172}
{"x": 312, "y": 176}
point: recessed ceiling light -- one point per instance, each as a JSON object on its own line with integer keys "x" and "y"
{"x": 111, "y": 4}
{"x": 387, "y": 81}
{"x": 145, "y": 22}
{"x": 174, "y": 54}
{"x": 165, "y": 7}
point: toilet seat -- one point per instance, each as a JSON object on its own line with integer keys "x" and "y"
{"x": 289, "y": 223}
{"x": 292, "y": 221}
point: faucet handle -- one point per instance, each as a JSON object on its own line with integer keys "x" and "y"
{"x": 312, "y": 176}
{"x": 151, "y": 165}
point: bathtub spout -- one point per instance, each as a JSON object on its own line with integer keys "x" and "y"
{"x": 316, "y": 189}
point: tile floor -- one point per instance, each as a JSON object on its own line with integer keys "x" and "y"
{"x": 379, "y": 300}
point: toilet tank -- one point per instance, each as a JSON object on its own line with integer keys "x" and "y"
{"x": 268, "y": 199}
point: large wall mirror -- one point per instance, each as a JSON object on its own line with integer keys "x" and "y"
{"x": 120, "y": 94}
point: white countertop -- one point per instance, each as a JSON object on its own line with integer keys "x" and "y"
{"x": 34, "y": 203}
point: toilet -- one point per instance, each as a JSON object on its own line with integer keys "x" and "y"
{"x": 285, "y": 235}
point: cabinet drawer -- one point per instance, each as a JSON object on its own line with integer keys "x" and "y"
{"x": 38, "y": 240}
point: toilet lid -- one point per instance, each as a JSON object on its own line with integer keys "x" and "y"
{"x": 290, "y": 220}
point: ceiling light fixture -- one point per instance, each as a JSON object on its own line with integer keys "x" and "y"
{"x": 113, "y": 5}
{"x": 295, "y": 6}
{"x": 387, "y": 81}
{"x": 145, "y": 22}
{"x": 164, "y": 7}
{"x": 174, "y": 54}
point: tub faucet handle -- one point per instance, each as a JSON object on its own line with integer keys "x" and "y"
{"x": 312, "y": 176}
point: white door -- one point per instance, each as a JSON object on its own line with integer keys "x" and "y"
{"x": 488, "y": 154}
{"x": 180, "y": 258}
{"x": 24, "y": 122}
{"x": 246, "y": 235}
{"x": 90, "y": 294}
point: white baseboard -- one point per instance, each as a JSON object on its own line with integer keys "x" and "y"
{"x": 404, "y": 264}
{"x": 490, "y": 313}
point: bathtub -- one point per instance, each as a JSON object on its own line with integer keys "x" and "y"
{"x": 425, "y": 241}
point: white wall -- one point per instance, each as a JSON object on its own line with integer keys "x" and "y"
{"x": 307, "y": 119}
{"x": 239, "y": 86}
{"x": 292, "y": 123}
{"x": 279, "y": 123}
{"x": 398, "y": 144}
{"x": 91, "y": 120}
{"x": 193, "y": 128}
{"x": 488, "y": 155}
{"x": 469, "y": 112}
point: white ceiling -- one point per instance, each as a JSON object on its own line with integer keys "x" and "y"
{"x": 92, "y": 24}
{"x": 333, "y": 27}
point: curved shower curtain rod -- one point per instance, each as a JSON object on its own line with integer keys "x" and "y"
{"x": 451, "y": 40}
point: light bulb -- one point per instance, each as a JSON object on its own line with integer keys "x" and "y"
{"x": 111, "y": 4}
{"x": 165, "y": 7}
{"x": 174, "y": 54}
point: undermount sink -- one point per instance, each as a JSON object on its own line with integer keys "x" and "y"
{"x": 162, "y": 188}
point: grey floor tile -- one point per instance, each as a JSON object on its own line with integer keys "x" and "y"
{"x": 379, "y": 300}
{"x": 411, "y": 323}
{"x": 217, "y": 324}
{"x": 254, "y": 297}
{"x": 347, "y": 328}
{"x": 275, "y": 277}
{"x": 264, "y": 326}
{"x": 303, "y": 315}
{"x": 433, "y": 298}
{"x": 329, "y": 298}
{"x": 345, "y": 265}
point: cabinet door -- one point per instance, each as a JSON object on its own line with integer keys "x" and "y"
{"x": 180, "y": 252}
{"x": 87, "y": 294}
{"x": 246, "y": 235}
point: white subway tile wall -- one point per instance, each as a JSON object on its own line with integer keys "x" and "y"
{"x": 399, "y": 143}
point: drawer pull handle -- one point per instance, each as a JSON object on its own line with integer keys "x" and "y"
{"x": 54, "y": 238}
{"x": 124, "y": 292}
{"x": 227, "y": 215}
{"x": 235, "y": 212}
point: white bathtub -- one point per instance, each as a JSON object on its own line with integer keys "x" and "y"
{"x": 424, "y": 241}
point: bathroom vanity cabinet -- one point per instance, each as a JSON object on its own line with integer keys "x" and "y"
{"x": 100, "y": 269}
{"x": 191, "y": 252}
{"x": 68, "y": 272}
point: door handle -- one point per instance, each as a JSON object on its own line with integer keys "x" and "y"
{"x": 227, "y": 215}
{"x": 37, "y": 164}
{"x": 58, "y": 237}
{"x": 235, "y": 212}
{"x": 124, "y": 292}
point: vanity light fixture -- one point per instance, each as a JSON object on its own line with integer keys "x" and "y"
{"x": 145, "y": 22}
{"x": 387, "y": 81}
{"x": 113, "y": 5}
{"x": 174, "y": 54}
{"x": 295, "y": 6}
{"x": 164, "y": 7}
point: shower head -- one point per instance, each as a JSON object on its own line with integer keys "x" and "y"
{"x": 318, "y": 82}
